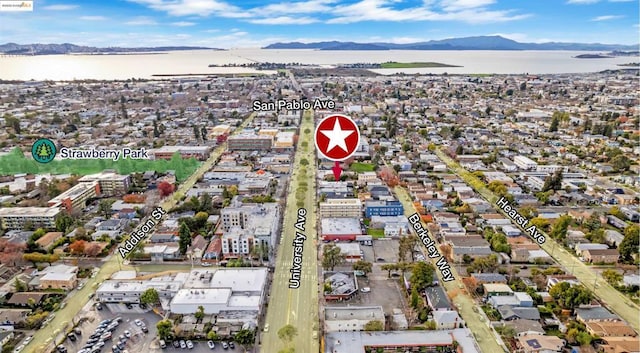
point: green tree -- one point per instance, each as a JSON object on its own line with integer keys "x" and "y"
{"x": 554, "y": 124}
{"x": 212, "y": 335}
{"x": 630, "y": 245}
{"x": 620, "y": 163}
{"x": 374, "y": 325}
{"x": 185, "y": 237}
{"x": 612, "y": 277}
{"x": 245, "y": 337}
{"x": 165, "y": 329}
{"x": 64, "y": 222}
{"x": 363, "y": 266}
{"x": 415, "y": 299}
{"x": 553, "y": 182}
{"x": 150, "y": 296}
{"x": 422, "y": 275}
{"x": 560, "y": 227}
{"x": 593, "y": 222}
{"x": 200, "y": 313}
{"x": 20, "y": 286}
{"x": 570, "y": 296}
{"x": 332, "y": 257}
{"x": 104, "y": 208}
{"x": 405, "y": 247}
{"x": 286, "y": 333}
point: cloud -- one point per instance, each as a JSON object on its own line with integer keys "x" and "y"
{"x": 92, "y": 18}
{"x": 297, "y": 7}
{"x": 454, "y": 5}
{"x": 518, "y": 37}
{"x": 183, "y": 24}
{"x": 141, "y": 21}
{"x": 195, "y": 7}
{"x": 60, "y": 7}
{"x": 582, "y": 2}
{"x": 606, "y": 18}
{"x": 470, "y": 11}
{"x": 284, "y": 20}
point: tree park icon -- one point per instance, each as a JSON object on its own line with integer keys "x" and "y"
{"x": 43, "y": 150}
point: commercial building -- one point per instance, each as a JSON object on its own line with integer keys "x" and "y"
{"x": 250, "y": 142}
{"x": 18, "y": 217}
{"x": 222, "y": 291}
{"x": 75, "y": 199}
{"x": 400, "y": 341}
{"x": 341, "y": 208}
{"x": 353, "y": 318}
{"x": 110, "y": 183}
{"x": 123, "y": 291}
{"x": 342, "y": 229}
{"x": 200, "y": 153}
{"x": 383, "y": 208}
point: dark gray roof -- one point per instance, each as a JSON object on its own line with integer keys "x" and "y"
{"x": 513, "y": 312}
{"x": 597, "y": 313}
{"x": 489, "y": 277}
{"x": 522, "y": 326}
{"x": 438, "y": 298}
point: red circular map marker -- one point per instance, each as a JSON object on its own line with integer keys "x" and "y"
{"x": 337, "y": 137}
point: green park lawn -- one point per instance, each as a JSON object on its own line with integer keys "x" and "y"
{"x": 362, "y": 167}
{"x": 15, "y": 162}
{"x": 376, "y": 233}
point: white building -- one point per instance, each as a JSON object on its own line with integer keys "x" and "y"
{"x": 341, "y": 208}
{"x": 354, "y": 318}
{"x": 524, "y": 163}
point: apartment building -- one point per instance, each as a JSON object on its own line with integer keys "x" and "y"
{"x": 18, "y": 217}
{"x": 110, "y": 183}
{"x": 75, "y": 199}
{"x": 341, "y": 208}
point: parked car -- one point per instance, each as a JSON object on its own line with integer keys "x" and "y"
{"x": 189, "y": 344}
{"x": 138, "y": 322}
{"x": 176, "y": 344}
{"x": 225, "y": 345}
{"x": 211, "y": 344}
{"x": 72, "y": 337}
{"x": 127, "y": 333}
{"x": 183, "y": 344}
{"x": 365, "y": 290}
{"x": 232, "y": 345}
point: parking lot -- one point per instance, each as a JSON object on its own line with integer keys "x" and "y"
{"x": 139, "y": 342}
{"x": 385, "y": 251}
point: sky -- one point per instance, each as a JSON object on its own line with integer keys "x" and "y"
{"x": 255, "y": 23}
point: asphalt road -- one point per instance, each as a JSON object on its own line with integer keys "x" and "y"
{"x": 487, "y": 339}
{"x": 45, "y": 338}
{"x": 613, "y": 299}
{"x": 299, "y": 306}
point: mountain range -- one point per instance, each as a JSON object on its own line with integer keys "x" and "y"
{"x": 466, "y": 43}
{"x": 67, "y": 48}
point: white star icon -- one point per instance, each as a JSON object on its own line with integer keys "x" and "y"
{"x": 337, "y": 136}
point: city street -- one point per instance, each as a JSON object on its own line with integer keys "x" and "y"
{"x": 296, "y": 306}
{"x": 615, "y": 300}
{"x": 476, "y": 321}
{"x": 49, "y": 334}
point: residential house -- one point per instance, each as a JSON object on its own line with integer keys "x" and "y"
{"x": 607, "y": 256}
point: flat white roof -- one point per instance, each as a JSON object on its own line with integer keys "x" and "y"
{"x": 202, "y": 296}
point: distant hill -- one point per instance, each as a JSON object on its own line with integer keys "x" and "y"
{"x": 67, "y": 48}
{"x": 466, "y": 43}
